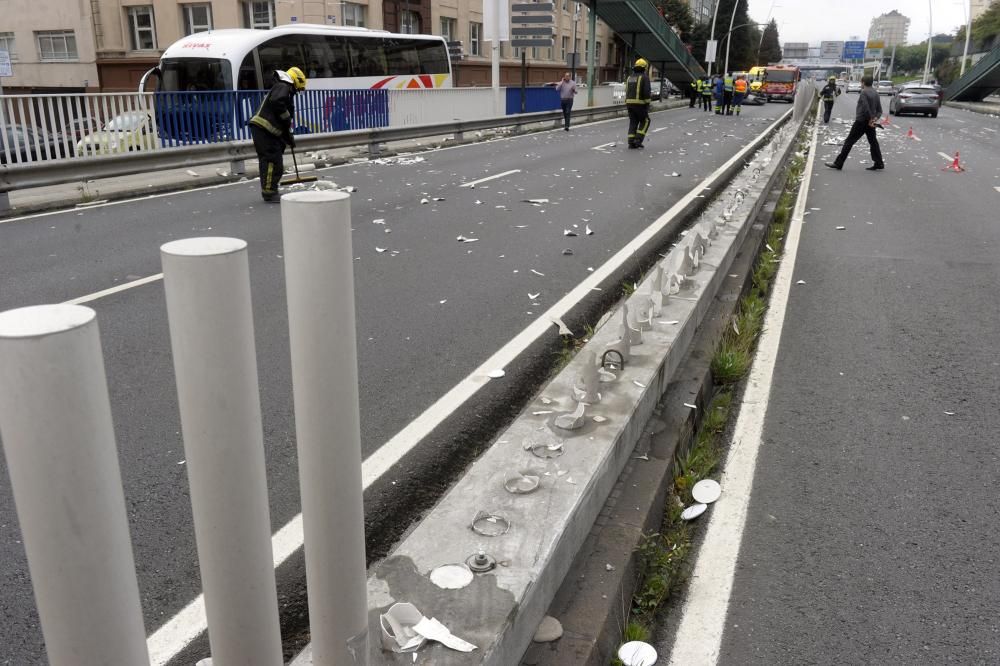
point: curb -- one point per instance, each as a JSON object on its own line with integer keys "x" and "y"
{"x": 976, "y": 107}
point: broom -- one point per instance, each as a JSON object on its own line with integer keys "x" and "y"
{"x": 298, "y": 178}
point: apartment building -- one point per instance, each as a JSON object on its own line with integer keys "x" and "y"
{"x": 890, "y": 28}
{"x": 109, "y": 44}
{"x": 51, "y": 46}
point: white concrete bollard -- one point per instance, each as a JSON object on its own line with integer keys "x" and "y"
{"x": 55, "y": 421}
{"x": 319, "y": 276}
{"x": 207, "y": 285}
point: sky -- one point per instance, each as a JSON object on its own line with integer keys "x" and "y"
{"x": 812, "y": 21}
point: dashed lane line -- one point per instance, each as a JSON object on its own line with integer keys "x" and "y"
{"x": 473, "y": 183}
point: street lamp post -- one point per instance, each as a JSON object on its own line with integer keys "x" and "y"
{"x": 968, "y": 33}
{"x": 729, "y": 36}
{"x": 930, "y": 40}
{"x": 711, "y": 36}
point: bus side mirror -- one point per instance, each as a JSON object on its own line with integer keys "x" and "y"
{"x": 155, "y": 71}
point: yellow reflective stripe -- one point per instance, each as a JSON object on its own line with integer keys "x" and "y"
{"x": 285, "y": 115}
{"x": 263, "y": 123}
{"x": 269, "y": 180}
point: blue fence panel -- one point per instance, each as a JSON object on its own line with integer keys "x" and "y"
{"x": 535, "y": 99}
{"x": 186, "y": 118}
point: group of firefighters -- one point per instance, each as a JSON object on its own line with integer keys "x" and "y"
{"x": 728, "y": 92}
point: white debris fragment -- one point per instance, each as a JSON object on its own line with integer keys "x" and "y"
{"x": 587, "y": 230}
{"x": 192, "y": 173}
{"x": 463, "y": 239}
{"x": 425, "y": 200}
{"x": 609, "y": 567}
{"x": 840, "y": 228}
{"x": 495, "y": 374}
{"x": 378, "y": 221}
{"x": 380, "y": 250}
{"x": 690, "y": 406}
{"x": 599, "y": 419}
{"x": 563, "y": 328}
{"x": 569, "y": 232}
{"x": 638, "y": 383}
{"x": 801, "y": 282}
{"x": 537, "y": 273}
{"x": 534, "y": 296}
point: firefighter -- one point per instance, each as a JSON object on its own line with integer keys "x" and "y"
{"x": 739, "y": 93}
{"x": 828, "y": 94}
{"x": 727, "y": 94}
{"x": 637, "y": 99}
{"x": 720, "y": 90}
{"x": 271, "y": 129}
{"x": 706, "y": 94}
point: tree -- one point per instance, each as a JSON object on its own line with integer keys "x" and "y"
{"x": 677, "y": 13}
{"x": 987, "y": 25}
{"x": 770, "y": 47}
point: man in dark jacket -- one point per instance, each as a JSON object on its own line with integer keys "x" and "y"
{"x": 637, "y": 99}
{"x": 866, "y": 119}
{"x": 828, "y": 94}
{"x": 271, "y": 129}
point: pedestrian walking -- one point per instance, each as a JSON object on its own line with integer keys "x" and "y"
{"x": 740, "y": 88}
{"x": 271, "y": 129}
{"x": 866, "y": 118}
{"x": 637, "y": 99}
{"x": 567, "y": 91}
{"x": 706, "y": 94}
{"x": 828, "y": 94}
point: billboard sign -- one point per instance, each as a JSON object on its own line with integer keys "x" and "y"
{"x": 875, "y": 44}
{"x": 831, "y": 50}
{"x": 854, "y": 50}
{"x": 873, "y": 54}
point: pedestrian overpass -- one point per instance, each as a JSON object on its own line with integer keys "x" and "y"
{"x": 982, "y": 80}
{"x": 640, "y": 25}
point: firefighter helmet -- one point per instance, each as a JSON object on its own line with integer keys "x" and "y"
{"x": 298, "y": 78}
{"x": 641, "y": 64}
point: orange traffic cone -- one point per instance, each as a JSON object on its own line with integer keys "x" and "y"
{"x": 886, "y": 123}
{"x": 909, "y": 134}
{"x": 954, "y": 166}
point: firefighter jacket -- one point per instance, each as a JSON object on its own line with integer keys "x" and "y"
{"x": 740, "y": 86}
{"x": 829, "y": 92}
{"x": 276, "y": 111}
{"x": 637, "y": 89}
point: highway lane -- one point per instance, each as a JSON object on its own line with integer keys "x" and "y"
{"x": 873, "y": 524}
{"x": 430, "y": 309}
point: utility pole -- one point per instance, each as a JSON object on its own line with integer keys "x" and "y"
{"x": 968, "y": 33}
{"x": 930, "y": 40}
{"x": 711, "y": 36}
{"x": 729, "y": 36}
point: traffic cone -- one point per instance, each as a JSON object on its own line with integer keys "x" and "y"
{"x": 909, "y": 134}
{"x": 886, "y": 123}
{"x": 954, "y": 166}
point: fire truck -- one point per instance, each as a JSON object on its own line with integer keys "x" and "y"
{"x": 780, "y": 82}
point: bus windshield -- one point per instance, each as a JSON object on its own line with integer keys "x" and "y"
{"x": 781, "y": 75}
{"x": 195, "y": 74}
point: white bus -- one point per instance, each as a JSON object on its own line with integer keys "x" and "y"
{"x": 333, "y": 57}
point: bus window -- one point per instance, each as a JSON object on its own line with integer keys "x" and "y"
{"x": 318, "y": 57}
{"x": 247, "y": 78}
{"x": 339, "y": 63}
{"x": 368, "y": 56}
{"x": 280, "y": 53}
{"x": 433, "y": 56}
{"x": 401, "y": 56}
{"x": 195, "y": 74}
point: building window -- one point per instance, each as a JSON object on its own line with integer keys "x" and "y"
{"x": 597, "y": 54}
{"x": 56, "y": 45}
{"x": 565, "y": 5}
{"x": 259, "y": 14}
{"x": 142, "y": 28}
{"x": 354, "y": 14}
{"x": 534, "y": 53}
{"x": 409, "y": 22}
{"x": 448, "y": 28}
{"x": 7, "y": 44}
{"x": 197, "y": 18}
{"x": 550, "y": 53}
{"x": 475, "y": 39}
{"x": 565, "y": 48}
{"x": 586, "y": 51}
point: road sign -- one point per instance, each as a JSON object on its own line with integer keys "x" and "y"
{"x": 521, "y": 43}
{"x": 533, "y": 7}
{"x": 854, "y": 50}
{"x": 5, "y": 67}
{"x": 831, "y": 50}
{"x": 456, "y": 51}
{"x": 874, "y": 54}
{"x": 534, "y": 32}
{"x": 541, "y": 18}
{"x": 496, "y": 30}
{"x": 875, "y": 44}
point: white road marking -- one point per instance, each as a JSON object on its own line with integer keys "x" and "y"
{"x": 488, "y": 178}
{"x": 659, "y": 129}
{"x": 947, "y": 157}
{"x": 997, "y": 188}
{"x": 703, "y": 620}
{"x": 114, "y": 290}
{"x": 604, "y": 145}
{"x": 178, "y": 632}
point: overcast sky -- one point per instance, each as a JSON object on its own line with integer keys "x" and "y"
{"x": 837, "y": 20}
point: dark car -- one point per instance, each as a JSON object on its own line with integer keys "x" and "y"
{"x": 30, "y": 144}
{"x": 916, "y": 98}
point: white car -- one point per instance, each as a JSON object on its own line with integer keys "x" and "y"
{"x": 884, "y": 88}
{"x": 854, "y": 86}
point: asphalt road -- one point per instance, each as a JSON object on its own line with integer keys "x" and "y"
{"x": 430, "y": 309}
{"x": 873, "y": 530}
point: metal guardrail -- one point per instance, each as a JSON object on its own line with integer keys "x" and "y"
{"x": 236, "y": 152}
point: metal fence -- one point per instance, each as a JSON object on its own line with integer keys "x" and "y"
{"x": 35, "y": 128}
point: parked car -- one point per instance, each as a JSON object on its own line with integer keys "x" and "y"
{"x": 30, "y": 144}
{"x": 884, "y": 87}
{"x": 126, "y": 132}
{"x": 754, "y": 99}
{"x": 854, "y": 86}
{"x": 916, "y": 98}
